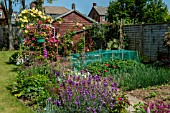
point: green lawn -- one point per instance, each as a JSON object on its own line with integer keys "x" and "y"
{"x": 9, "y": 103}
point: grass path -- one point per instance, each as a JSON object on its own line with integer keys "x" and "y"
{"x": 9, "y": 103}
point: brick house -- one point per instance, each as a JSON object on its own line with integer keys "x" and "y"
{"x": 69, "y": 21}
{"x": 98, "y": 13}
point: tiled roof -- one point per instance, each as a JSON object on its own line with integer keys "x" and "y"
{"x": 88, "y": 18}
{"x": 101, "y": 10}
{"x": 55, "y": 10}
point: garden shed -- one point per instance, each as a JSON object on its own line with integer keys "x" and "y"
{"x": 148, "y": 40}
{"x": 70, "y": 21}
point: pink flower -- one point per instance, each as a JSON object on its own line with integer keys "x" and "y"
{"x": 39, "y": 22}
{"x": 32, "y": 44}
{"x": 33, "y": 39}
{"x": 148, "y": 110}
{"x": 27, "y": 27}
{"x": 55, "y": 40}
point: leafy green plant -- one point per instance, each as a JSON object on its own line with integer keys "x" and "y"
{"x": 34, "y": 83}
{"x": 112, "y": 67}
{"x": 130, "y": 74}
{"x": 152, "y": 94}
{"x": 31, "y": 88}
{"x": 13, "y": 58}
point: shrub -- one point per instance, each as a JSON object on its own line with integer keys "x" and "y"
{"x": 31, "y": 88}
{"x": 34, "y": 82}
{"x": 13, "y": 58}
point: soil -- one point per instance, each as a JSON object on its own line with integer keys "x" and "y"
{"x": 152, "y": 93}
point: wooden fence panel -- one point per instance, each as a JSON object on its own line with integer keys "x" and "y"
{"x": 147, "y": 39}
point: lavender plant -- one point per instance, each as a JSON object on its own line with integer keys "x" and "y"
{"x": 93, "y": 94}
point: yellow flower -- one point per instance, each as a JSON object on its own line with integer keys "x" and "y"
{"x": 22, "y": 25}
{"x": 25, "y": 17}
{"x": 20, "y": 14}
{"x": 20, "y": 19}
{"x": 39, "y": 13}
{"x": 26, "y": 31}
{"x": 44, "y": 17}
{"x": 26, "y": 21}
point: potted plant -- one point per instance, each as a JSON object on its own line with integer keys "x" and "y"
{"x": 40, "y": 37}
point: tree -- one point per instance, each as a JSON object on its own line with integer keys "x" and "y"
{"x": 138, "y": 11}
{"x": 8, "y": 11}
{"x": 155, "y": 12}
{"x": 119, "y": 10}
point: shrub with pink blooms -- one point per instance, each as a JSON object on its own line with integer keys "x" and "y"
{"x": 38, "y": 35}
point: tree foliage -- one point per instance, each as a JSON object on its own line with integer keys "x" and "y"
{"x": 138, "y": 11}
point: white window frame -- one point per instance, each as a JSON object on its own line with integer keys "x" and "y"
{"x": 103, "y": 18}
{"x": 1, "y": 14}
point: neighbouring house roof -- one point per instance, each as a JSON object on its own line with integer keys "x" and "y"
{"x": 55, "y": 10}
{"x": 100, "y": 10}
{"x": 73, "y": 10}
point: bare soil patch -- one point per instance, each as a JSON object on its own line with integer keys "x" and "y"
{"x": 152, "y": 93}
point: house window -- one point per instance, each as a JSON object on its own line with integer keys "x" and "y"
{"x": 103, "y": 18}
{"x": 0, "y": 14}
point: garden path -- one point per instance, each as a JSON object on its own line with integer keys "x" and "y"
{"x": 9, "y": 103}
{"x": 132, "y": 101}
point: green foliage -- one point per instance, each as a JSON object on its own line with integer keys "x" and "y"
{"x": 112, "y": 67}
{"x": 155, "y": 12}
{"x": 66, "y": 43}
{"x": 106, "y": 36}
{"x": 138, "y": 11}
{"x": 131, "y": 75}
{"x": 114, "y": 43}
{"x": 144, "y": 76}
{"x": 34, "y": 83}
{"x": 31, "y": 88}
{"x": 80, "y": 45}
{"x": 13, "y": 58}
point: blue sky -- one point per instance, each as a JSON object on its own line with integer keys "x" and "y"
{"x": 84, "y": 6}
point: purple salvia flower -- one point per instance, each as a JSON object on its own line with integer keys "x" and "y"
{"x": 77, "y": 84}
{"x": 74, "y": 77}
{"x": 49, "y": 99}
{"x": 88, "y": 109}
{"x": 105, "y": 84}
{"x": 91, "y": 97}
{"x": 57, "y": 73}
{"x": 55, "y": 102}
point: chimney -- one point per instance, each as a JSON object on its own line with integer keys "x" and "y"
{"x": 73, "y": 6}
{"x": 94, "y": 4}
